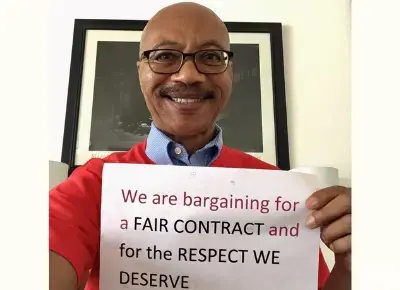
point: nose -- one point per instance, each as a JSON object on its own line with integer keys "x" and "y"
{"x": 188, "y": 74}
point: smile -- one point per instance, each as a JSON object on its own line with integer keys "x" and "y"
{"x": 186, "y": 101}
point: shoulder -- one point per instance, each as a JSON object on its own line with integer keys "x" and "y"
{"x": 230, "y": 157}
{"x": 95, "y": 165}
{"x": 83, "y": 186}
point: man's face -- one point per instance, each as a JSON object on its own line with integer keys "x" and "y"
{"x": 185, "y": 103}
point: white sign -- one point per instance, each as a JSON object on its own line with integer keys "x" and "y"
{"x": 178, "y": 227}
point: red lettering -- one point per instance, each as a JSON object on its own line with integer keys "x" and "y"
{"x": 142, "y": 198}
{"x": 164, "y": 199}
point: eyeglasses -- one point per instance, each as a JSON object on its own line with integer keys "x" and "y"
{"x": 170, "y": 61}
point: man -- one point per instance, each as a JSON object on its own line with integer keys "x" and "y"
{"x": 185, "y": 71}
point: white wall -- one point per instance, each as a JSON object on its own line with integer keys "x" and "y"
{"x": 317, "y": 63}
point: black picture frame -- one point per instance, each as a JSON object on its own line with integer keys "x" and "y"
{"x": 82, "y": 26}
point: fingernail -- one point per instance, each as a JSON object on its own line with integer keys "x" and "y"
{"x": 310, "y": 222}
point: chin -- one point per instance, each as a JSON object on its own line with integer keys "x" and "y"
{"x": 188, "y": 129}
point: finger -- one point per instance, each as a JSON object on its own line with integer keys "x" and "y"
{"x": 342, "y": 245}
{"x": 336, "y": 230}
{"x": 322, "y": 197}
{"x": 338, "y": 207}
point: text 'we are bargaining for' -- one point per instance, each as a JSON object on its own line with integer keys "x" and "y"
{"x": 264, "y": 206}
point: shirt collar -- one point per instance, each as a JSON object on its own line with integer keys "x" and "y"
{"x": 160, "y": 149}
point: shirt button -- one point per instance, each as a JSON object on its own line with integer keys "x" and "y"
{"x": 178, "y": 150}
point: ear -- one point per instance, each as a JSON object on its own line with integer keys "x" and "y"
{"x": 138, "y": 64}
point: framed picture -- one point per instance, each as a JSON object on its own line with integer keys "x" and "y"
{"x": 106, "y": 111}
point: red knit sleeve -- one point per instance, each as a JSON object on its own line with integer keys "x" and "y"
{"x": 74, "y": 221}
{"x": 323, "y": 271}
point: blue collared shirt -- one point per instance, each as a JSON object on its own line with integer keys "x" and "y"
{"x": 163, "y": 151}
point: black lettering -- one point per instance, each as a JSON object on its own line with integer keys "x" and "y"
{"x": 163, "y": 281}
{"x": 275, "y": 257}
{"x": 156, "y": 254}
{"x": 137, "y": 222}
{"x": 123, "y": 277}
{"x": 182, "y": 254}
{"x": 152, "y": 225}
{"x": 192, "y": 254}
{"x": 225, "y": 228}
{"x": 217, "y": 227}
{"x": 163, "y": 225}
{"x": 176, "y": 227}
{"x": 129, "y": 252}
{"x": 230, "y": 258}
{"x": 265, "y": 257}
{"x": 135, "y": 277}
{"x": 212, "y": 253}
{"x": 147, "y": 225}
{"x": 154, "y": 280}
{"x": 185, "y": 282}
{"x": 174, "y": 283}
{"x": 204, "y": 255}
{"x": 204, "y": 228}
{"x": 237, "y": 228}
{"x": 190, "y": 227}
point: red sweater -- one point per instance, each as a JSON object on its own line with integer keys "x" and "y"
{"x": 75, "y": 209}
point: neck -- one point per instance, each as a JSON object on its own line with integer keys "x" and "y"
{"x": 195, "y": 142}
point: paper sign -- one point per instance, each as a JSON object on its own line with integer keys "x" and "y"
{"x": 178, "y": 227}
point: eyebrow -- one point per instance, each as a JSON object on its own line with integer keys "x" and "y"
{"x": 214, "y": 43}
{"x": 165, "y": 43}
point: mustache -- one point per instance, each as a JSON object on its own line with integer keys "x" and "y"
{"x": 181, "y": 89}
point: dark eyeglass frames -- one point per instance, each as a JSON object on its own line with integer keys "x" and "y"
{"x": 170, "y": 61}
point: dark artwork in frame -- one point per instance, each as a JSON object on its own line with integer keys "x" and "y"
{"x": 118, "y": 118}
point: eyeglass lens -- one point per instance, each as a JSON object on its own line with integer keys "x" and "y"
{"x": 207, "y": 61}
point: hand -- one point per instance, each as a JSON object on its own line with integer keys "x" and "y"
{"x": 331, "y": 211}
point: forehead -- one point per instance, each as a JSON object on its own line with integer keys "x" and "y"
{"x": 186, "y": 32}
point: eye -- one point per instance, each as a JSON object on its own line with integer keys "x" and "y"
{"x": 213, "y": 57}
{"x": 164, "y": 56}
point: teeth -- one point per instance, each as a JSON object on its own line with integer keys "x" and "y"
{"x": 186, "y": 101}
